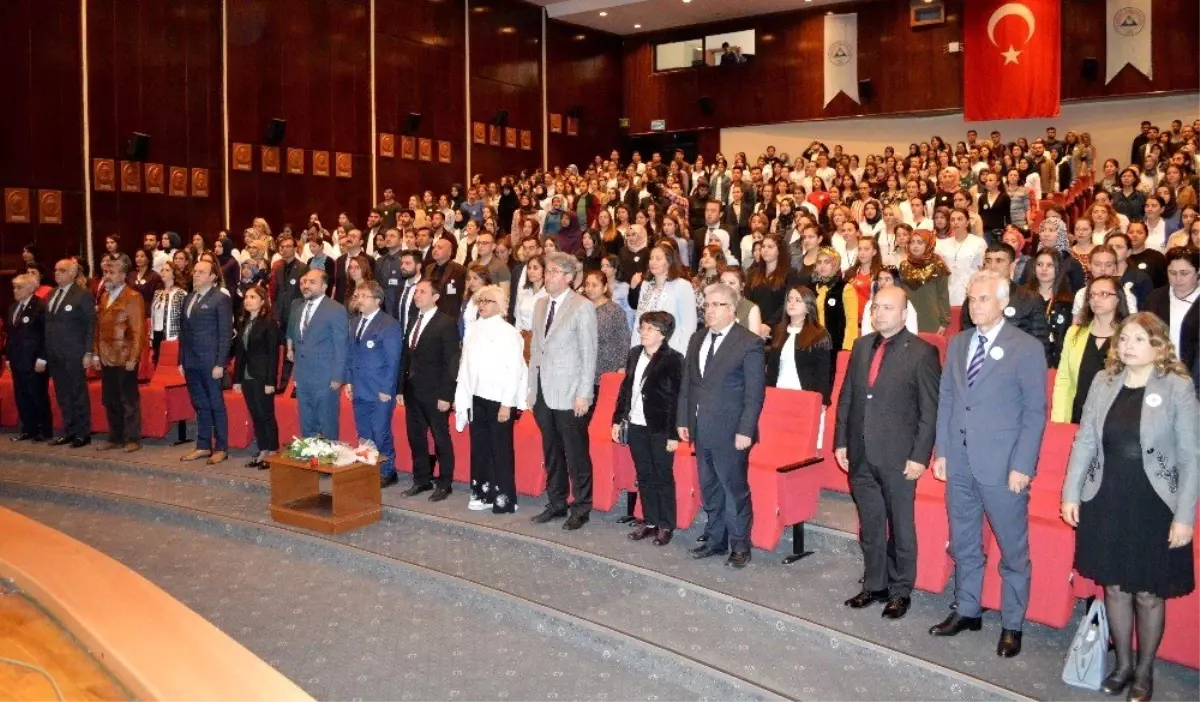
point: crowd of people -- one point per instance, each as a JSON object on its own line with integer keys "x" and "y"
{"x": 705, "y": 283}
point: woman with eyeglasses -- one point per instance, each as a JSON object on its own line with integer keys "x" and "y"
{"x": 491, "y": 391}
{"x": 1085, "y": 347}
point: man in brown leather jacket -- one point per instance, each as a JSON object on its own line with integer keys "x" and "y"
{"x": 120, "y": 338}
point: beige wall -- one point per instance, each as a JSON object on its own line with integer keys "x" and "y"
{"x": 1112, "y": 124}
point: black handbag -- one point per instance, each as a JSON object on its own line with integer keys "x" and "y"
{"x": 623, "y": 433}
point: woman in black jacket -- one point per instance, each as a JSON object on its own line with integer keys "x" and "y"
{"x": 255, "y": 369}
{"x": 799, "y": 356}
{"x": 647, "y": 404}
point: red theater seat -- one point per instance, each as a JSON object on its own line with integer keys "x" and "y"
{"x": 165, "y": 398}
{"x": 785, "y": 484}
{"x": 605, "y": 487}
{"x": 934, "y": 564}
{"x": 955, "y": 325}
{"x": 939, "y": 342}
{"x": 833, "y": 477}
{"x": 527, "y": 445}
{"x": 8, "y": 401}
{"x": 1181, "y": 640}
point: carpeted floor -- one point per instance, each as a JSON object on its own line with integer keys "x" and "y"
{"x": 782, "y": 629}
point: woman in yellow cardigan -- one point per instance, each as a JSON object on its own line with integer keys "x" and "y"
{"x": 837, "y": 303}
{"x": 1085, "y": 347}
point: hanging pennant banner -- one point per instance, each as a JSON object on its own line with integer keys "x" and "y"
{"x": 1128, "y": 39}
{"x": 841, "y": 56}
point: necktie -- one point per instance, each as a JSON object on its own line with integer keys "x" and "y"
{"x": 192, "y": 306}
{"x": 712, "y": 350}
{"x": 58, "y": 296}
{"x": 308, "y": 308}
{"x": 876, "y": 362}
{"x": 550, "y": 315}
{"x": 362, "y": 324}
{"x": 976, "y": 363}
{"x": 416, "y": 332}
{"x": 17, "y": 314}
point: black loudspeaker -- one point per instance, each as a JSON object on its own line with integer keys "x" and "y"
{"x": 866, "y": 90}
{"x": 1090, "y": 68}
{"x": 413, "y": 124}
{"x": 273, "y": 136}
{"x": 576, "y": 111}
{"x": 706, "y": 105}
{"x": 138, "y": 147}
{"x": 501, "y": 118}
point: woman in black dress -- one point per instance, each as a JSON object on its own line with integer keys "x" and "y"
{"x": 255, "y": 369}
{"x": 1131, "y": 490}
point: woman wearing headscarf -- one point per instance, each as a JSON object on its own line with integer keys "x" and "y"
{"x": 506, "y": 207}
{"x": 230, "y": 272}
{"x": 926, "y": 278}
{"x": 570, "y": 235}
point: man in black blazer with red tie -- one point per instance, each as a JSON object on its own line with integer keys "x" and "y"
{"x": 886, "y": 424}
{"x": 427, "y": 382}
{"x": 25, "y": 351}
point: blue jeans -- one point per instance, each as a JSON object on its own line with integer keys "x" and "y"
{"x": 212, "y": 424}
{"x": 373, "y": 420}
{"x": 318, "y": 411}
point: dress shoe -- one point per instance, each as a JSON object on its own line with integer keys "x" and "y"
{"x": 956, "y": 623}
{"x": 255, "y": 463}
{"x": 866, "y": 598}
{"x": 106, "y": 446}
{"x": 702, "y": 539}
{"x": 547, "y": 515}
{"x": 896, "y": 608}
{"x": 195, "y": 455}
{"x": 439, "y": 494}
{"x": 703, "y": 551}
{"x": 389, "y": 480}
{"x": 738, "y": 559}
{"x": 416, "y": 490}
{"x": 478, "y": 505}
{"x": 62, "y": 441}
{"x": 131, "y": 446}
{"x": 575, "y": 521}
{"x": 81, "y": 441}
{"x": 24, "y": 436}
{"x": 641, "y": 532}
{"x": 1142, "y": 689}
{"x": 217, "y": 457}
{"x": 1010, "y": 643}
{"x": 1117, "y": 681}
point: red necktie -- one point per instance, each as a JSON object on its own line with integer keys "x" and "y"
{"x": 876, "y": 362}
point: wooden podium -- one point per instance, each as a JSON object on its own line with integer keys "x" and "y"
{"x": 296, "y": 498}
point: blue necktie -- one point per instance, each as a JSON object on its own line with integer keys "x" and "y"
{"x": 976, "y": 363}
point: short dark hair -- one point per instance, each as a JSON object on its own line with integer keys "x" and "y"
{"x": 1184, "y": 253}
{"x": 1119, "y": 235}
{"x": 1001, "y": 247}
{"x": 664, "y": 322}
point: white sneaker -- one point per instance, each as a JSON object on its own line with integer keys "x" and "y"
{"x": 478, "y": 505}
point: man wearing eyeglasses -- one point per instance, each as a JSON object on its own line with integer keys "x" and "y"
{"x": 70, "y": 338}
{"x": 720, "y": 400}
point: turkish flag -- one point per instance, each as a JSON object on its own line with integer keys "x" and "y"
{"x": 1012, "y": 62}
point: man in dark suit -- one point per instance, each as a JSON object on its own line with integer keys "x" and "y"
{"x": 627, "y": 195}
{"x": 372, "y": 368}
{"x": 736, "y": 217}
{"x": 205, "y": 332}
{"x": 448, "y": 278}
{"x": 990, "y": 421}
{"x": 720, "y": 399}
{"x": 284, "y": 289}
{"x": 886, "y": 419}
{"x": 429, "y": 380}
{"x": 339, "y": 271}
{"x": 25, "y": 351}
{"x": 317, "y": 335}
{"x": 70, "y": 326}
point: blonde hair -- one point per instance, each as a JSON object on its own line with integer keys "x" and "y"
{"x": 499, "y": 293}
{"x": 1165, "y": 361}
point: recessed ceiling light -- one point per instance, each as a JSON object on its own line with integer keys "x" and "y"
{"x": 637, "y": 26}
{"x": 580, "y": 37}
{"x": 508, "y": 30}
{"x": 604, "y": 14}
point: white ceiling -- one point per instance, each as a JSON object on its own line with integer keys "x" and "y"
{"x": 623, "y": 16}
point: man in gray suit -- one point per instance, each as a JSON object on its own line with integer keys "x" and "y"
{"x": 990, "y": 421}
{"x": 720, "y": 399}
{"x": 562, "y": 370}
{"x": 317, "y": 337}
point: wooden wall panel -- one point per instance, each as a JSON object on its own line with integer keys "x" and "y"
{"x": 583, "y": 69}
{"x": 41, "y": 143}
{"x": 154, "y": 66}
{"x": 307, "y": 62}
{"x": 419, "y": 56}
{"x": 505, "y": 74}
{"x": 1173, "y": 50}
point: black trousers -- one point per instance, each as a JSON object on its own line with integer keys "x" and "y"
{"x": 493, "y": 464}
{"x": 32, "y": 393}
{"x": 70, "y": 389}
{"x": 422, "y": 417}
{"x": 566, "y": 455}
{"x": 655, "y": 475}
{"x": 725, "y": 492}
{"x": 156, "y": 339}
{"x": 888, "y": 528}
{"x": 262, "y": 413}
{"x": 122, "y": 404}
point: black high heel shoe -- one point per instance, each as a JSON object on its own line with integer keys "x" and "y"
{"x": 1116, "y": 682}
{"x": 1142, "y": 689}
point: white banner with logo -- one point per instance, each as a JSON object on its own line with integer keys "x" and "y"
{"x": 1128, "y": 37}
{"x": 841, "y": 56}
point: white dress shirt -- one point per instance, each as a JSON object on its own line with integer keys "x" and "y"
{"x": 708, "y": 341}
{"x": 637, "y": 413}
